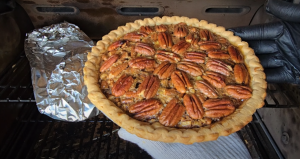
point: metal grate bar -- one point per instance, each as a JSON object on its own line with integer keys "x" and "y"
{"x": 101, "y": 129}
{"x": 52, "y": 142}
{"x": 118, "y": 147}
{"x": 9, "y": 83}
{"x": 25, "y": 143}
{"x": 127, "y": 150}
{"x": 44, "y": 141}
{"x": 69, "y": 151}
{"x": 109, "y": 140}
{"x": 20, "y": 133}
{"x": 91, "y": 137}
{"x": 82, "y": 136}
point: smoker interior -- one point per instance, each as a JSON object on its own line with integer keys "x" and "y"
{"x": 25, "y": 133}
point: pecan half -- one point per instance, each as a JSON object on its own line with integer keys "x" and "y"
{"x": 145, "y": 109}
{"x": 209, "y": 45}
{"x": 180, "y": 81}
{"x": 134, "y": 37}
{"x": 235, "y": 54}
{"x": 146, "y": 29}
{"x": 214, "y": 79}
{"x": 109, "y": 62}
{"x": 167, "y": 56}
{"x": 206, "y": 35}
{"x": 180, "y": 30}
{"x": 172, "y": 113}
{"x": 219, "y": 67}
{"x": 238, "y": 92}
{"x": 142, "y": 63}
{"x": 122, "y": 85}
{"x": 116, "y": 44}
{"x": 217, "y": 108}
{"x": 116, "y": 70}
{"x": 190, "y": 67}
{"x": 164, "y": 70}
{"x": 196, "y": 57}
{"x": 193, "y": 106}
{"x": 241, "y": 74}
{"x": 149, "y": 87}
{"x": 192, "y": 38}
{"x": 218, "y": 55}
{"x": 165, "y": 40}
{"x": 206, "y": 89}
{"x": 161, "y": 28}
{"x": 144, "y": 49}
{"x": 180, "y": 47}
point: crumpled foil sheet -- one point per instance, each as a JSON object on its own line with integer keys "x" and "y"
{"x": 57, "y": 54}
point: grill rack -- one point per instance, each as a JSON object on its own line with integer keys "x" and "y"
{"x": 34, "y": 135}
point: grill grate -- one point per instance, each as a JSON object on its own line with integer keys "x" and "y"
{"x": 34, "y": 135}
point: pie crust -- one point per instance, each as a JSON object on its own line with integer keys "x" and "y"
{"x": 156, "y": 131}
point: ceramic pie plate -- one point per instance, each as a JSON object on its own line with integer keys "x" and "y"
{"x": 156, "y": 131}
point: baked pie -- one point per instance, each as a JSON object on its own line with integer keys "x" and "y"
{"x": 175, "y": 79}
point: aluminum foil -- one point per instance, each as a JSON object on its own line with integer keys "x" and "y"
{"x": 57, "y": 54}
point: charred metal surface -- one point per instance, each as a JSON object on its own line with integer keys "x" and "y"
{"x": 97, "y": 18}
{"x": 283, "y": 123}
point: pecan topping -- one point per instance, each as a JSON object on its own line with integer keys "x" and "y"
{"x": 190, "y": 67}
{"x": 241, "y": 74}
{"x": 161, "y": 28}
{"x": 219, "y": 67}
{"x": 145, "y": 109}
{"x": 238, "y": 92}
{"x": 235, "y": 54}
{"x": 217, "y": 108}
{"x": 180, "y": 81}
{"x": 209, "y": 45}
{"x": 206, "y": 89}
{"x": 196, "y": 57}
{"x": 116, "y": 44}
{"x": 109, "y": 62}
{"x": 214, "y": 79}
{"x": 116, "y": 70}
{"x": 180, "y": 30}
{"x": 193, "y": 39}
{"x": 149, "y": 87}
{"x": 180, "y": 47}
{"x": 218, "y": 55}
{"x": 206, "y": 35}
{"x": 164, "y": 70}
{"x": 122, "y": 85}
{"x": 167, "y": 56}
{"x": 193, "y": 106}
{"x": 142, "y": 63}
{"x": 165, "y": 40}
{"x": 146, "y": 29}
{"x": 134, "y": 37}
{"x": 130, "y": 94}
{"x": 172, "y": 113}
{"x": 144, "y": 49}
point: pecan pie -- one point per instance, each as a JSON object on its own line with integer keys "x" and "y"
{"x": 175, "y": 79}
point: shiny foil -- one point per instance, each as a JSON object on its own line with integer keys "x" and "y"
{"x": 57, "y": 54}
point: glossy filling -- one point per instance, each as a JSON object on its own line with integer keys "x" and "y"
{"x": 177, "y": 75}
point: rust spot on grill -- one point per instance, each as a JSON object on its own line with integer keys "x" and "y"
{"x": 99, "y": 12}
{"x": 166, "y": 6}
{"x": 40, "y": 17}
{"x": 29, "y": 2}
{"x": 122, "y": 2}
{"x": 83, "y": 1}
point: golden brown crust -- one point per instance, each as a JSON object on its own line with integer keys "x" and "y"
{"x": 156, "y": 131}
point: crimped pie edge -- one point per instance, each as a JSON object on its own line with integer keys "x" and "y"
{"x": 155, "y": 131}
